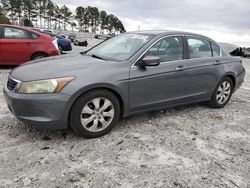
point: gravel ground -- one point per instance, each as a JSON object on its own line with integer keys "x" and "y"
{"x": 190, "y": 146}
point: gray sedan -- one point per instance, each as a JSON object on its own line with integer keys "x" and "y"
{"x": 127, "y": 74}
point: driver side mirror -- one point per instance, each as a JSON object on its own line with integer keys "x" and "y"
{"x": 150, "y": 61}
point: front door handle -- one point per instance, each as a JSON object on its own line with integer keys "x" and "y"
{"x": 28, "y": 43}
{"x": 217, "y": 62}
{"x": 180, "y": 68}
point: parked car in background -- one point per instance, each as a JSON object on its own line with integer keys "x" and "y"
{"x": 45, "y": 30}
{"x": 127, "y": 74}
{"x": 103, "y": 37}
{"x": 246, "y": 52}
{"x": 20, "y": 44}
{"x": 63, "y": 43}
{"x": 80, "y": 41}
{"x": 72, "y": 36}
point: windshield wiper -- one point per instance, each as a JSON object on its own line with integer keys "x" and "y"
{"x": 98, "y": 57}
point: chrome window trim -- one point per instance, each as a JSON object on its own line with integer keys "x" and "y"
{"x": 219, "y": 48}
{"x": 166, "y": 36}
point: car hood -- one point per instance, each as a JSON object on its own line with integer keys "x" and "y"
{"x": 59, "y": 66}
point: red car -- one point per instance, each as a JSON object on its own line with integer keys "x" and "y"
{"x": 19, "y": 45}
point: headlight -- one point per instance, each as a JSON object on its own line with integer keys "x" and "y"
{"x": 45, "y": 86}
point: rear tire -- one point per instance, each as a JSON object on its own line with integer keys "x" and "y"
{"x": 95, "y": 113}
{"x": 38, "y": 56}
{"x": 222, "y": 93}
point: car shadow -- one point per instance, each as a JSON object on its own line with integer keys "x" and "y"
{"x": 7, "y": 67}
{"x": 31, "y": 133}
{"x": 154, "y": 115}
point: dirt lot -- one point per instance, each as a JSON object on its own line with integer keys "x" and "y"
{"x": 191, "y": 146}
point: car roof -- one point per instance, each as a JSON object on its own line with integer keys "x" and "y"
{"x": 168, "y": 32}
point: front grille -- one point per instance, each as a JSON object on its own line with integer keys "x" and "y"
{"x": 11, "y": 84}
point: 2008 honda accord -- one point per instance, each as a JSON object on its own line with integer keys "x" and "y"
{"x": 127, "y": 74}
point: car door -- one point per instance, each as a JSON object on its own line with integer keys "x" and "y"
{"x": 165, "y": 84}
{"x": 16, "y": 46}
{"x": 202, "y": 67}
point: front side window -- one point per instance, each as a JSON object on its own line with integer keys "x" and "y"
{"x": 215, "y": 49}
{"x": 121, "y": 47}
{"x": 14, "y": 33}
{"x": 168, "y": 49}
{"x": 199, "y": 48}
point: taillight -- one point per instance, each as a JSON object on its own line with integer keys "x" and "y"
{"x": 55, "y": 44}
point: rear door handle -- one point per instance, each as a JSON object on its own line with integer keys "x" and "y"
{"x": 180, "y": 68}
{"x": 28, "y": 44}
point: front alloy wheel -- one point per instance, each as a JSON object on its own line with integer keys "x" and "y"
{"x": 95, "y": 113}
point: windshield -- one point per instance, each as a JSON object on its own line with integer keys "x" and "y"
{"x": 121, "y": 47}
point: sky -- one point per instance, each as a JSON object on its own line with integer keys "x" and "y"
{"x": 222, "y": 20}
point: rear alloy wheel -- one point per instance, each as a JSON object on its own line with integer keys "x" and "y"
{"x": 38, "y": 56}
{"x": 222, "y": 94}
{"x": 95, "y": 113}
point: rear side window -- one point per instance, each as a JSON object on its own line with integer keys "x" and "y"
{"x": 34, "y": 36}
{"x": 14, "y": 33}
{"x": 168, "y": 49}
{"x": 1, "y": 32}
{"x": 215, "y": 50}
{"x": 199, "y": 48}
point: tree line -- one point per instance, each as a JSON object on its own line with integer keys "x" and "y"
{"x": 46, "y": 14}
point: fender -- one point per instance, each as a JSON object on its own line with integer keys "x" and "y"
{"x": 122, "y": 96}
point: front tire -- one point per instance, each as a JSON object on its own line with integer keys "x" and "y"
{"x": 95, "y": 113}
{"x": 222, "y": 93}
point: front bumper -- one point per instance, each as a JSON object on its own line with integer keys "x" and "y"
{"x": 40, "y": 110}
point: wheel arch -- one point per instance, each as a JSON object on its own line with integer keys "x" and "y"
{"x": 232, "y": 76}
{"x": 120, "y": 96}
{"x": 39, "y": 52}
